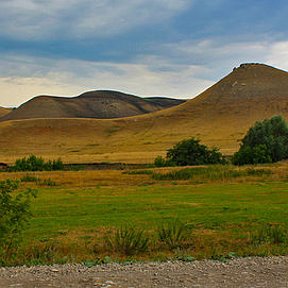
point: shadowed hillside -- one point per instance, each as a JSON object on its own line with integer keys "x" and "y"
{"x": 219, "y": 116}
{"x": 94, "y": 104}
{"x": 4, "y": 111}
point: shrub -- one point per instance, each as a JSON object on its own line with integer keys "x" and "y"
{"x": 14, "y": 214}
{"x": 192, "y": 152}
{"x": 34, "y": 163}
{"x": 160, "y": 162}
{"x": 265, "y": 142}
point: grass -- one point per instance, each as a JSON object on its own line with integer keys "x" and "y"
{"x": 210, "y": 173}
{"x": 72, "y": 219}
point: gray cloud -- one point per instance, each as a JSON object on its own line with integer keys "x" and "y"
{"x": 34, "y": 19}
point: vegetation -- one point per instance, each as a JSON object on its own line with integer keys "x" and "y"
{"x": 34, "y": 163}
{"x": 128, "y": 241}
{"x": 271, "y": 234}
{"x": 14, "y": 214}
{"x": 173, "y": 234}
{"x": 190, "y": 152}
{"x": 84, "y": 217}
{"x": 209, "y": 173}
{"x": 265, "y": 142}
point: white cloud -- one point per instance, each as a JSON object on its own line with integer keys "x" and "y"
{"x": 35, "y": 19}
{"x": 278, "y": 55}
{"x": 219, "y": 57}
{"x": 25, "y": 77}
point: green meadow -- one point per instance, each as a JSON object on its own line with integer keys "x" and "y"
{"x": 77, "y": 213}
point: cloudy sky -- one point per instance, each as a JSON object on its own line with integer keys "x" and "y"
{"x": 173, "y": 48}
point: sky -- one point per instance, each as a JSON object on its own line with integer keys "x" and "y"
{"x": 174, "y": 48}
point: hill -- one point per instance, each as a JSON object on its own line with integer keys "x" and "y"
{"x": 94, "y": 104}
{"x": 219, "y": 116}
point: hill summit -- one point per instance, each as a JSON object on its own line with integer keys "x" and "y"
{"x": 101, "y": 104}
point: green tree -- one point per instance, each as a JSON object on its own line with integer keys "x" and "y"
{"x": 265, "y": 142}
{"x": 192, "y": 152}
{"x": 14, "y": 214}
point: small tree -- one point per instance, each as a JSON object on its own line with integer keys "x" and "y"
{"x": 14, "y": 214}
{"x": 192, "y": 152}
{"x": 265, "y": 142}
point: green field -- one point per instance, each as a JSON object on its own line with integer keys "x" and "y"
{"x": 76, "y": 211}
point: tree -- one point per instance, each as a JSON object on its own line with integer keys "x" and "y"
{"x": 265, "y": 142}
{"x": 192, "y": 152}
{"x": 14, "y": 214}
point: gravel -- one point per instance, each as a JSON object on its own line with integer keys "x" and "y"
{"x": 253, "y": 272}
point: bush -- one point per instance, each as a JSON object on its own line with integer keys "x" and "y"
{"x": 191, "y": 152}
{"x": 160, "y": 162}
{"x": 34, "y": 163}
{"x": 265, "y": 142}
{"x": 14, "y": 214}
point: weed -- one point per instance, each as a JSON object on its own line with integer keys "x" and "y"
{"x": 98, "y": 261}
{"x": 269, "y": 233}
{"x": 128, "y": 241}
{"x": 41, "y": 253}
{"x": 185, "y": 258}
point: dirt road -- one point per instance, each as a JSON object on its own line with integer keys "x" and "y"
{"x": 251, "y": 272}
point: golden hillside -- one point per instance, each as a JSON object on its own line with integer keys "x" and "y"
{"x": 220, "y": 116}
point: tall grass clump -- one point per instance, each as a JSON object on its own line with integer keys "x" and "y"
{"x": 173, "y": 234}
{"x": 128, "y": 241}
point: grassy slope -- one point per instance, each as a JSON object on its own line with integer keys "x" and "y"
{"x": 220, "y": 116}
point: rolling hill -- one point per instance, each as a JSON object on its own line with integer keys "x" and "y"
{"x": 94, "y": 104}
{"x": 219, "y": 116}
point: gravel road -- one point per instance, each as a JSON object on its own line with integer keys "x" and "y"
{"x": 251, "y": 272}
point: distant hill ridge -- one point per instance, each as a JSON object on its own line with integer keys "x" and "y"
{"x": 101, "y": 104}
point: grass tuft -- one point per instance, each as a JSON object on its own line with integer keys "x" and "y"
{"x": 173, "y": 234}
{"x": 128, "y": 241}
